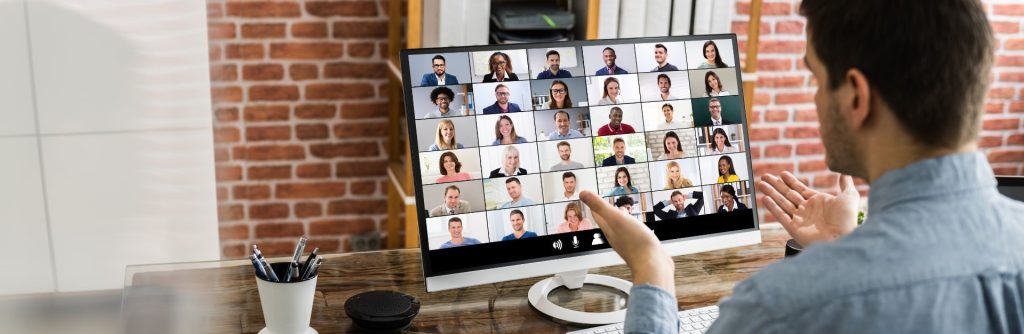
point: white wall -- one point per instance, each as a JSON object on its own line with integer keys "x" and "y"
{"x": 110, "y": 139}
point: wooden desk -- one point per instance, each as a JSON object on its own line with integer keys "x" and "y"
{"x": 221, "y": 297}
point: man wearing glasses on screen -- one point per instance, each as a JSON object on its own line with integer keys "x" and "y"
{"x": 438, "y": 77}
{"x": 501, "y": 104}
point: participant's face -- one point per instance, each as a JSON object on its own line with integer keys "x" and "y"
{"x": 671, "y": 145}
{"x": 572, "y": 217}
{"x": 505, "y": 128}
{"x": 455, "y": 229}
{"x": 513, "y": 189}
{"x": 564, "y": 152}
{"x": 502, "y": 95}
{"x": 667, "y": 112}
{"x": 678, "y": 201}
{"x": 447, "y": 132}
{"x": 663, "y": 85}
{"x": 723, "y": 167}
{"x": 840, "y": 145}
{"x": 621, "y": 179}
{"x": 716, "y": 109}
{"x": 713, "y": 83}
{"x": 727, "y": 199}
{"x": 558, "y": 91}
{"x": 673, "y": 173}
{"x": 613, "y": 89}
{"x": 628, "y": 208}
{"x": 554, "y": 61}
{"x": 659, "y": 55}
{"x": 719, "y": 141}
{"x": 439, "y": 67}
{"x": 517, "y": 222}
{"x": 615, "y": 117}
{"x": 449, "y": 165}
{"x": 511, "y": 160}
{"x": 451, "y": 197}
{"x": 620, "y": 149}
{"x": 609, "y": 57}
{"x": 562, "y": 122}
{"x": 500, "y": 64}
{"x": 443, "y": 100}
{"x": 710, "y": 54}
{"x": 570, "y": 184}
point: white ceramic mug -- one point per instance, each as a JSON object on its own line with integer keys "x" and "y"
{"x": 287, "y": 307}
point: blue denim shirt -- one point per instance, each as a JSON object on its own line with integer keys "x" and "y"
{"x": 940, "y": 252}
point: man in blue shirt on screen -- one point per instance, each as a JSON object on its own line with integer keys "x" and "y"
{"x": 518, "y": 227}
{"x": 455, "y": 231}
{"x": 553, "y": 71}
{"x": 902, "y": 86}
{"x": 501, "y": 104}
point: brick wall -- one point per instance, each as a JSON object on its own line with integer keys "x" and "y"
{"x": 784, "y": 129}
{"x": 300, "y": 123}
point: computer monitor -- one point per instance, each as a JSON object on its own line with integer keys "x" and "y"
{"x": 657, "y": 126}
{"x": 1011, "y": 186}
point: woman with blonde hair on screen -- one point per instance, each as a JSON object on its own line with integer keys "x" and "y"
{"x": 444, "y": 139}
{"x": 720, "y": 143}
{"x": 451, "y": 168}
{"x": 674, "y": 177}
{"x": 574, "y": 220}
{"x": 559, "y": 95}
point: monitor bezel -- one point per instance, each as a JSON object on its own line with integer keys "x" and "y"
{"x": 566, "y": 262}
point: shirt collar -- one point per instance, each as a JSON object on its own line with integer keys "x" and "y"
{"x": 951, "y": 173}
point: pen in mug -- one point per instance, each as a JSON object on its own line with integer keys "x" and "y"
{"x": 309, "y": 261}
{"x": 266, "y": 266}
{"x": 295, "y": 272}
{"x": 259, "y": 267}
{"x": 309, "y": 266}
{"x": 296, "y": 255}
{"x": 311, "y": 272}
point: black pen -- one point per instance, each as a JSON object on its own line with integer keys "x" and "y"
{"x": 309, "y": 260}
{"x": 314, "y": 267}
{"x": 309, "y": 267}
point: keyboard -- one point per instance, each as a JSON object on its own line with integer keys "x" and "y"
{"x": 690, "y": 321}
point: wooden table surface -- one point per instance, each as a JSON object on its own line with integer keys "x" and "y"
{"x": 224, "y": 298}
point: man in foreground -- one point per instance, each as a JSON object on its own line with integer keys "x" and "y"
{"x": 940, "y": 251}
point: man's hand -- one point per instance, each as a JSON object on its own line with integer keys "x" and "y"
{"x": 635, "y": 243}
{"x": 808, "y": 215}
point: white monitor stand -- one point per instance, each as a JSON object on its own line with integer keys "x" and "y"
{"x": 573, "y": 280}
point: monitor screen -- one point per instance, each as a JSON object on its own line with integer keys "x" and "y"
{"x": 505, "y": 137}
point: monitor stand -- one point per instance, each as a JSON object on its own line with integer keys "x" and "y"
{"x": 573, "y": 280}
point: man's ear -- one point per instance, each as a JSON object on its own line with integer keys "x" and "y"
{"x": 857, "y": 99}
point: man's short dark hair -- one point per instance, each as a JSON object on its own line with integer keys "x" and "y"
{"x": 454, "y": 219}
{"x": 931, "y": 67}
{"x": 512, "y": 179}
{"x": 674, "y": 193}
{"x": 624, "y": 201}
{"x": 662, "y": 46}
{"x": 563, "y": 143}
{"x": 618, "y": 139}
{"x": 665, "y": 76}
{"x": 567, "y": 175}
{"x": 438, "y": 57}
{"x": 607, "y": 48}
{"x": 453, "y": 187}
{"x": 499, "y": 87}
{"x": 552, "y": 52}
{"x": 441, "y": 90}
{"x": 516, "y": 212}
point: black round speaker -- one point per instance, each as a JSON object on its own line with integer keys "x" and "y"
{"x": 382, "y": 310}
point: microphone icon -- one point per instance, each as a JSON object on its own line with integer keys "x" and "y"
{"x": 575, "y": 242}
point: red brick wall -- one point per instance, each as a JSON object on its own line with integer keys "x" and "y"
{"x": 784, "y": 131}
{"x": 300, "y": 123}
